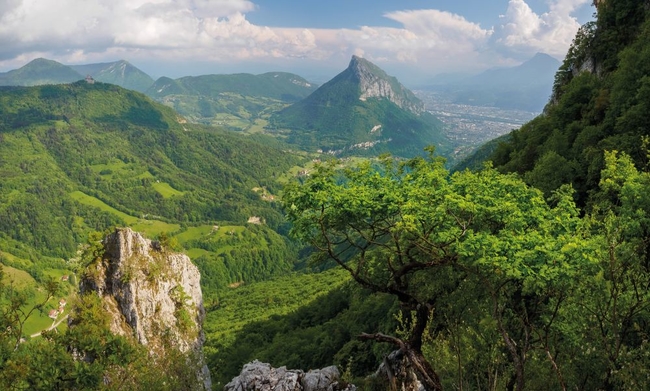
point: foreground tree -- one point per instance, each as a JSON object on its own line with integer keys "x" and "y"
{"x": 611, "y": 308}
{"x": 416, "y": 232}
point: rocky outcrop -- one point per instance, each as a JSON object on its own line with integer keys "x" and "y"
{"x": 375, "y": 83}
{"x": 258, "y": 376}
{"x": 152, "y": 294}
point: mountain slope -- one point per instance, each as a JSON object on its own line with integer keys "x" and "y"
{"x": 40, "y": 71}
{"x": 276, "y": 85}
{"x": 120, "y": 73}
{"x": 361, "y": 109}
{"x": 524, "y": 87}
{"x": 83, "y": 157}
{"x": 238, "y": 102}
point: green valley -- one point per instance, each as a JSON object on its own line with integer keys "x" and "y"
{"x": 240, "y": 102}
{"x": 91, "y": 156}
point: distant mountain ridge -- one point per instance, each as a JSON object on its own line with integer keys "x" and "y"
{"x": 42, "y": 71}
{"x": 238, "y": 102}
{"x": 38, "y": 72}
{"x": 276, "y": 85}
{"x": 361, "y": 109}
{"x": 524, "y": 87}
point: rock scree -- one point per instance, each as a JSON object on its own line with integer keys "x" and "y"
{"x": 259, "y": 376}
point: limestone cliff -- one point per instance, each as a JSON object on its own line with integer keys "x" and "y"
{"x": 375, "y": 83}
{"x": 152, "y": 294}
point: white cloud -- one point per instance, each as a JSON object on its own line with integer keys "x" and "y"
{"x": 551, "y": 32}
{"x": 428, "y": 38}
{"x": 77, "y": 31}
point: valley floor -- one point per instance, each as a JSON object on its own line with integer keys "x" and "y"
{"x": 470, "y": 126}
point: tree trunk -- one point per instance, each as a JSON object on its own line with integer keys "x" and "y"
{"x": 423, "y": 370}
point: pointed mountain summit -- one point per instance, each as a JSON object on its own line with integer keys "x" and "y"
{"x": 375, "y": 83}
{"x": 38, "y": 72}
{"x": 361, "y": 110}
{"x": 121, "y": 73}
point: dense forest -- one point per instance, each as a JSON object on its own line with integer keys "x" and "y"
{"x": 497, "y": 286}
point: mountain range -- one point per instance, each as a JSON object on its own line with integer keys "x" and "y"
{"x": 360, "y": 111}
{"x": 42, "y": 71}
{"x": 524, "y": 87}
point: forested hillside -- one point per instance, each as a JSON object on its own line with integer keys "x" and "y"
{"x": 496, "y": 286}
{"x": 84, "y": 157}
{"x": 600, "y": 102}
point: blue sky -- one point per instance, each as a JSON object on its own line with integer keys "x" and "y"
{"x": 411, "y": 39}
{"x": 355, "y": 13}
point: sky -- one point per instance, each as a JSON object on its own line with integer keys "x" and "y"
{"x": 411, "y": 39}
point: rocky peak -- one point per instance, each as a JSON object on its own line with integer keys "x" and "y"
{"x": 375, "y": 83}
{"x": 152, "y": 294}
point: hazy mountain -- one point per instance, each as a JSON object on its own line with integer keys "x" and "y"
{"x": 362, "y": 108}
{"x": 524, "y": 87}
{"x": 277, "y": 85}
{"x": 40, "y": 71}
{"x": 121, "y": 73}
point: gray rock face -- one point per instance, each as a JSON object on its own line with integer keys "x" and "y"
{"x": 152, "y": 294}
{"x": 258, "y": 376}
{"x": 375, "y": 83}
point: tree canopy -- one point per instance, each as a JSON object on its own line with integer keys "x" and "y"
{"x": 483, "y": 254}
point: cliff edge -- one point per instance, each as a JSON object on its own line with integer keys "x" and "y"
{"x": 152, "y": 295}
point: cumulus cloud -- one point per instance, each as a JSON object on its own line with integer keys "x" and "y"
{"x": 427, "y": 37}
{"x": 76, "y": 31}
{"x": 551, "y": 32}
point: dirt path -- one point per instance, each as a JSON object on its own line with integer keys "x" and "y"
{"x": 55, "y": 324}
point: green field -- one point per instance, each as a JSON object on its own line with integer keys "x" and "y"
{"x": 151, "y": 228}
{"x": 18, "y": 278}
{"x": 193, "y": 233}
{"x": 195, "y": 253}
{"x": 23, "y": 281}
{"x": 208, "y": 232}
{"x": 166, "y": 190}
{"x": 92, "y": 201}
{"x": 14, "y": 260}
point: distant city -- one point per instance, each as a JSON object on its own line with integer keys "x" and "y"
{"x": 470, "y": 126}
